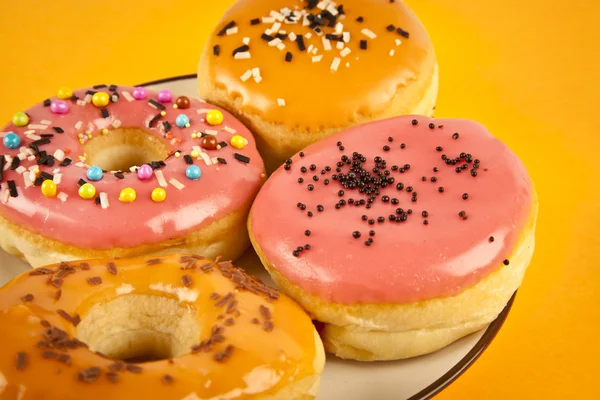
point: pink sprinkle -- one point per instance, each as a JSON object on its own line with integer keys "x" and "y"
{"x": 139, "y": 93}
{"x": 165, "y": 96}
{"x": 145, "y": 172}
{"x": 59, "y": 107}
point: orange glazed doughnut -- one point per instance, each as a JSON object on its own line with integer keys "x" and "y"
{"x": 297, "y": 71}
{"x": 401, "y": 235}
{"x": 110, "y": 172}
{"x": 205, "y": 330}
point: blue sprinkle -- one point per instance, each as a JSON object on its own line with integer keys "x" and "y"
{"x": 94, "y": 173}
{"x": 193, "y": 172}
{"x": 12, "y": 140}
{"x": 182, "y": 120}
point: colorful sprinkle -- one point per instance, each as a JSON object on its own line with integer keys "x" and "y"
{"x": 94, "y": 173}
{"x": 127, "y": 195}
{"x": 214, "y": 117}
{"x": 49, "y": 188}
{"x": 59, "y": 107}
{"x": 145, "y": 172}
{"x": 20, "y": 119}
{"x": 238, "y": 142}
{"x": 64, "y": 93}
{"x": 12, "y": 141}
{"x": 193, "y": 172}
{"x": 100, "y": 99}
{"x": 139, "y": 93}
{"x": 182, "y": 121}
{"x": 209, "y": 142}
{"x": 182, "y": 102}
{"x": 87, "y": 191}
{"x": 165, "y": 96}
{"x": 159, "y": 195}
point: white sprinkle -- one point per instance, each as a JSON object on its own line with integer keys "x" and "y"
{"x": 247, "y": 75}
{"x": 215, "y": 160}
{"x": 27, "y": 179}
{"x": 281, "y": 46}
{"x": 339, "y": 28}
{"x": 392, "y": 52}
{"x": 310, "y": 48}
{"x": 116, "y": 124}
{"x": 232, "y": 31}
{"x": 4, "y": 196}
{"x": 368, "y": 33}
{"x": 335, "y": 64}
{"x": 315, "y": 50}
{"x": 332, "y": 10}
{"x": 36, "y": 126}
{"x": 308, "y": 35}
{"x": 56, "y": 170}
{"x": 339, "y": 45}
{"x": 133, "y": 168}
{"x": 228, "y": 129}
{"x": 255, "y": 71}
{"x": 104, "y": 200}
{"x": 34, "y": 137}
{"x": 62, "y": 196}
{"x": 8, "y": 160}
{"x": 398, "y": 42}
{"x": 21, "y": 156}
{"x": 346, "y": 37}
{"x": 212, "y": 132}
{"x": 242, "y": 55}
{"x": 204, "y": 110}
{"x": 31, "y": 158}
{"x": 205, "y": 157}
{"x": 281, "y": 102}
{"x": 317, "y": 58}
{"x": 29, "y": 132}
{"x": 87, "y": 98}
{"x": 57, "y": 178}
{"x": 274, "y": 42}
{"x": 348, "y": 64}
{"x": 326, "y": 44}
{"x": 127, "y": 96}
{"x": 20, "y": 169}
{"x": 125, "y": 288}
{"x": 268, "y": 32}
{"x": 160, "y": 178}
{"x": 178, "y": 185}
{"x": 322, "y": 4}
{"x": 345, "y": 52}
{"x": 305, "y": 21}
{"x": 81, "y": 103}
{"x": 80, "y": 164}
{"x": 246, "y": 40}
{"x": 258, "y": 79}
{"x": 283, "y": 32}
{"x": 268, "y": 20}
{"x": 276, "y": 15}
{"x": 59, "y": 155}
{"x": 276, "y": 27}
{"x": 46, "y": 122}
{"x": 184, "y": 294}
{"x": 293, "y": 36}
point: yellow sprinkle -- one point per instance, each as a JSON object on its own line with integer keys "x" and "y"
{"x": 187, "y": 125}
{"x": 49, "y": 188}
{"x": 214, "y": 117}
{"x": 65, "y": 93}
{"x": 163, "y": 113}
{"x": 159, "y": 195}
{"x": 194, "y": 153}
{"x": 100, "y": 99}
{"x": 105, "y": 131}
{"x": 87, "y": 191}
{"x": 175, "y": 106}
{"x": 81, "y": 141}
{"x": 177, "y": 154}
{"x": 238, "y": 142}
{"x": 194, "y": 136}
{"x": 127, "y": 195}
{"x": 36, "y": 171}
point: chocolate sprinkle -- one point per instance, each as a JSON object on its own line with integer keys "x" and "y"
{"x": 167, "y": 379}
{"x": 186, "y": 280}
{"x": 112, "y": 268}
{"x": 74, "y": 320}
{"x": 264, "y": 312}
{"x": 153, "y": 261}
{"x": 89, "y": 375}
{"x": 28, "y": 297}
{"x": 94, "y": 280}
{"x": 84, "y": 266}
{"x": 136, "y": 369}
{"x": 21, "y": 361}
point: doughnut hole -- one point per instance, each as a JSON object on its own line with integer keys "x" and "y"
{"x": 140, "y": 328}
{"x": 121, "y": 149}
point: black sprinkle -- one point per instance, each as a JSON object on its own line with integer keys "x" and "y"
{"x": 15, "y": 163}
{"x": 47, "y": 103}
{"x": 35, "y": 144}
{"x": 223, "y": 31}
{"x": 363, "y": 44}
{"x": 241, "y": 49}
{"x": 46, "y": 176}
{"x": 90, "y": 92}
{"x": 38, "y": 181}
{"x": 300, "y": 41}
{"x": 104, "y": 113}
{"x": 360, "y": 19}
{"x": 390, "y": 28}
{"x": 81, "y": 182}
{"x": 506, "y": 262}
{"x": 12, "y": 187}
{"x": 254, "y": 21}
{"x": 66, "y": 162}
{"x": 157, "y": 105}
{"x": 221, "y": 160}
{"x": 112, "y": 88}
{"x": 153, "y": 120}
{"x": 223, "y": 144}
{"x": 188, "y": 159}
{"x": 216, "y": 50}
{"x": 167, "y": 126}
{"x": 47, "y": 135}
{"x": 266, "y": 37}
{"x": 403, "y": 33}
{"x": 97, "y": 200}
{"x": 241, "y": 158}
{"x": 288, "y": 57}
{"x": 2, "y": 163}
{"x": 99, "y": 86}
{"x": 119, "y": 175}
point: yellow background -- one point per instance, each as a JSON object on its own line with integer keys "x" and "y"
{"x": 526, "y": 69}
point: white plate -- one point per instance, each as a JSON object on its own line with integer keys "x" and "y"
{"x": 413, "y": 379}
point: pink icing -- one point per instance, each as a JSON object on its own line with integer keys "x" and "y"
{"x": 408, "y": 261}
{"x": 82, "y": 223}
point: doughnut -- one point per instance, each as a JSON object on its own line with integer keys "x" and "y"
{"x": 176, "y": 327}
{"x": 112, "y": 172}
{"x": 400, "y": 236}
{"x": 297, "y": 71}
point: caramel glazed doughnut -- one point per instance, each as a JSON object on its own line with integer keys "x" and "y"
{"x": 209, "y": 330}
{"x": 297, "y": 71}
{"x": 112, "y": 172}
{"x": 401, "y": 236}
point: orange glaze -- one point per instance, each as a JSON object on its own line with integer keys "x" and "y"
{"x": 316, "y": 96}
{"x": 288, "y": 350}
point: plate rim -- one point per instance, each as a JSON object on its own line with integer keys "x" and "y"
{"x": 464, "y": 363}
